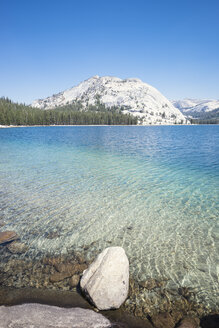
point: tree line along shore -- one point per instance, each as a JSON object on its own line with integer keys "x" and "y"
{"x": 20, "y": 114}
{"x": 16, "y": 114}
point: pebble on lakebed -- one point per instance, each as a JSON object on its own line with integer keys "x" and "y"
{"x": 17, "y": 247}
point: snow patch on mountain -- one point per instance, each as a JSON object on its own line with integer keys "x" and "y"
{"x": 131, "y": 95}
{"x": 189, "y": 106}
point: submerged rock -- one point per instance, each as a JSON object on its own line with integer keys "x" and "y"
{"x": 189, "y": 322}
{"x": 74, "y": 280}
{"x": 79, "y": 268}
{"x": 7, "y": 236}
{"x": 17, "y": 248}
{"x": 106, "y": 280}
{"x": 69, "y": 267}
{"x": 163, "y": 320}
{"x": 59, "y": 276}
{"x": 151, "y": 283}
{"x": 37, "y": 315}
{"x": 65, "y": 267}
{"x": 52, "y": 235}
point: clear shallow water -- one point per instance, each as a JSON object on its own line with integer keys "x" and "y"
{"x": 152, "y": 190}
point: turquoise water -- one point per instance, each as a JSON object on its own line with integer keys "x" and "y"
{"x": 152, "y": 190}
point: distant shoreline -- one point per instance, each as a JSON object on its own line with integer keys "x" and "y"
{"x": 76, "y": 125}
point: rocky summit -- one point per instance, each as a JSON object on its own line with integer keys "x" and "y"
{"x": 130, "y": 95}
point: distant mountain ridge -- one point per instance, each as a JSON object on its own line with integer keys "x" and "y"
{"x": 130, "y": 95}
{"x": 194, "y": 106}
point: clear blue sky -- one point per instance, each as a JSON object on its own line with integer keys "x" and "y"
{"x": 48, "y": 46}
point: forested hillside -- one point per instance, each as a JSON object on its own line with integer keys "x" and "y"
{"x": 19, "y": 114}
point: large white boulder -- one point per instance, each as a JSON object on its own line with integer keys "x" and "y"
{"x": 106, "y": 281}
{"x": 44, "y": 316}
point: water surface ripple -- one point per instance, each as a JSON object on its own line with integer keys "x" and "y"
{"x": 152, "y": 190}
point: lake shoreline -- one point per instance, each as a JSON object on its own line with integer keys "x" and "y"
{"x": 64, "y": 299}
{"x": 137, "y": 125}
{"x": 122, "y": 318}
{"x": 47, "y": 281}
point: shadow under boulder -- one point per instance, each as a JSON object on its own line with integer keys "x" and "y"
{"x": 210, "y": 321}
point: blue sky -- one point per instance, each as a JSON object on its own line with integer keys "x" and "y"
{"x": 51, "y": 45}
